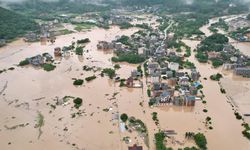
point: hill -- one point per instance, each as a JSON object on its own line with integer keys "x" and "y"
{"x": 13, "y": 25}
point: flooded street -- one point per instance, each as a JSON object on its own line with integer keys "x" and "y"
{"x": 26, "y": 91}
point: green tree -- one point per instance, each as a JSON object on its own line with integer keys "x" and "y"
{"x": 124, "y": 117}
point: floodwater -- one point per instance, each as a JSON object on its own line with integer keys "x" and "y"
{"x": 26, "y": 91}
{"x": 226, "y": 133}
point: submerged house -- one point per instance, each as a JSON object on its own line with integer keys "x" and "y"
{"x": 57, "y": 51}
{"x": 136, "y": 74}
{"x": 195, "y": 75}
{"x": 47, "y": 57}
{"x": 135, "y": 147}
{"x": 31, "y": 37}
{"x": 189, "y": 100}
{"x": 243, "y": 71}
{"x": 37, "y": 60}
{"x": 164, "y": 98}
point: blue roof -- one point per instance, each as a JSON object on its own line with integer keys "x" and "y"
{"x": 196, "y": 84}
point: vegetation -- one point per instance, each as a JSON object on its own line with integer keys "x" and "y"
{"x": 155, "y": 118}
{"x": 117, "y": 66}
{"x": 110, "y": 72}
{"x": 124, "y": 40}
{"x": 213, "y": 42}
{"x": 79, "y": 50}
{"x": 202, "y": 57}
{"x": 50, "y": 10}
{"x": 159, "y": 141}
{"x": 216, "y": 77}
{"x": 77, "y": 102}
{"x": 83, "y": 41}
{"x": 124, "y": 117}
{"x": 14, "y": 25}
{"x": 246, "y": 132}
{"x": 220, "y": 24}
{"x": 189, "y": 65}
{"x": 83, "y": 26}
{"x": 24, "y": 62}
{"x": 200, "y": 140}
{"x": 128, "y": 57}
{"x": 223, "y": 91}
{"x": 149, "y": 92}
{"x": 78, "y": 82}
{"x": 237, "y": 115}
{"x": 40, "y": 123}
{"x": 152, "y": 101}
{"x": 126, "y": 25}
{"x": 90, "y": 78}
{"x": 48, "y": 67}
{"x": 217, "y": 62}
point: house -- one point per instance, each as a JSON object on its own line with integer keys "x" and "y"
{"x": 242, "y": 71}
{"x": 47, "y": 57}
{"x": 164, "y": 98}
{"x": 118, "y": 45}
{"x": 169, "y": 74}
{"x": 31, "y": 37}
{"x": 105, "y": 45}
{"x": 184, "y": 89}
{"x": 195, "y": 75}
{"x": 57, "y": 51}
{"x": 229, "y": 49}
{"x": 155, "y": 77}
{"x": 212, "y": 55}
{"x": 152, "y": 67}
{"x": 158, "y": 88}
{"x": 184, "y": 80}
{"x": 164, "y": 70}
{"x": 189, "y": 100}
{"x": 174, "y": 66}
{"x": 193, "y": 90}
{"x": 135, "y": 147}
{"x": 37, "y": 60}
{"x": 179, "y": 74}
{"x": 135, "y": 74}
{"x": 130, "y": 82}
{"x": 178, "y": 101}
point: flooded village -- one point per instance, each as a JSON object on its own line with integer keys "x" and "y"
{"x": 124, "y": 81}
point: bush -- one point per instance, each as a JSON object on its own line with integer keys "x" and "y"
{"x": 129, "y": 57}
{"x": 223, "y": 91}
{"x": 110, "y": 72}
{"x": 48, "y": 67}
{"x": 117, "y": 66}
{"x": 152, "y": 101}
{"x": 200, "y": 140}
{"x": 79, "y": 50}
{"x": 90, "y": 78}
{"x": 83, "y": 41}
{"x": 149, "y": 92}
{"x": 77, "y": 102}
{"x": 24, "y": 62}
{"x": 217, "y": 62}
{"x": 246, "y": 132}
{"x": 78, "y": 82}
{"x": 216, "y": 77}
{"x": 124, "y": 117}
{"x": 238, "y": 116}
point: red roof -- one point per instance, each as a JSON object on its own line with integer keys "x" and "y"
{"x": 135, "y": 147}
